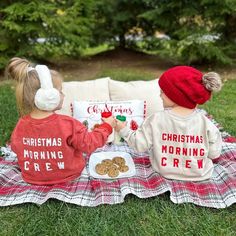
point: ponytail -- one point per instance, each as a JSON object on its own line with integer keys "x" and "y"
{"x": 27, "y": 83}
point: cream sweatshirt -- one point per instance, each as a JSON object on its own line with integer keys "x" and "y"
{"x": 181, "y": 147}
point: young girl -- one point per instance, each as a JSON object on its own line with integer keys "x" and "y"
{"x": 181, "y": 140}
{"x": 49, "y": 146}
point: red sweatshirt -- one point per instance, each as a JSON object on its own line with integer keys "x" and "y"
{"x": 50, "y": 150}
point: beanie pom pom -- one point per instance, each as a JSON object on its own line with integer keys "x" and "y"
{"x": 212, "y": 81}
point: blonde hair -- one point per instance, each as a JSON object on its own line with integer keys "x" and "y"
{"x": 27, "y": 83}
{"x": 212, "y": 81}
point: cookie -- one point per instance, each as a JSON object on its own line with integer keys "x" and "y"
{"x": 119, "y": 161}
{"x": 95, "y": 126}
{"x": 107, "y": 162}
{"x": 123, "y": 168}
{"x": 112, "y": 167}
{"x": 101, "y": 169}
{"x": 113, "y": 171}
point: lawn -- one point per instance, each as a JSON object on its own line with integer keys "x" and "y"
{"x": 153, "y": 216}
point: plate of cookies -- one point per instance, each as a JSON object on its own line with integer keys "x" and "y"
{"x": 111, "y": 165}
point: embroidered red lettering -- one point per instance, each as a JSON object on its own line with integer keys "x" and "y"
{"x": 200, "y": 164}
{"x": 187, "y": 163}
{"x": 164, "y": 149}
{"x": 175, "y": 162}
{"x": 177, "y": 151}
{"x": 202, "y": 152}
{"x": 163, "y": 161}
{"x": 164, "y": 136}
{"x": 171, "y": 149}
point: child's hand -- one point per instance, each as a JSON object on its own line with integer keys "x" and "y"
{"x": 110, "y": 120}
{"x": 120, "y": 125}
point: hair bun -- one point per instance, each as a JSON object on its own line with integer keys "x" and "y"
{"x": 17, "y": 68}
{"x": 212, "y": 81}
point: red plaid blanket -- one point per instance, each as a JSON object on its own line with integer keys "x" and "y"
{"x": 218, "y": 192}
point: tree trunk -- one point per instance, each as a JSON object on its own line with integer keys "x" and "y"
{"x": 230, "y": 29}
{"x": 122, "y": 42}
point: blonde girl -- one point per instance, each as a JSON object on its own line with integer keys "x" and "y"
{"x": 49, "y": 146}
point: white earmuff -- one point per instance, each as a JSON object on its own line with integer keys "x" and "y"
{"x": 46, "y": 98}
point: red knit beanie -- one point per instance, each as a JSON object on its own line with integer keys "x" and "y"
{"x": 183, "y": 85}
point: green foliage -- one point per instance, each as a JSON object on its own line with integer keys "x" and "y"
{"x": 64, "y": 28}
{"x": 116, "y": 18}
{"x": 195, "y": 50}
{"x": 199, "y": 30}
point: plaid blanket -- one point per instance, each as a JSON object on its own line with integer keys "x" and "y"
{"x": 218, "y": 192}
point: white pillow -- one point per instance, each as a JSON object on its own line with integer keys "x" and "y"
{"x": 90, "y": 90}
{"x": 141, "y": 90}
{"x": 89, "y": 112}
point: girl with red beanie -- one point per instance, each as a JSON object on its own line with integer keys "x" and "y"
{"x": 181, "y": 140}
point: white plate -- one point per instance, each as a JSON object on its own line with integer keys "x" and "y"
{"x": 96, "y": 158}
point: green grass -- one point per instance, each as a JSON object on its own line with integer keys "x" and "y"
{"x": 153, "y": 216}
{"x": 127, "y": 74}
{"x": 95, "y": 50}
{"x": 223, "y": 106}
{"x": 8, "y": 112}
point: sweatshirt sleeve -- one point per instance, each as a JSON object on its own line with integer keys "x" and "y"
{"x": 141, "y": 139}
{"x": 85, "y": 141}
{"x": 14, "y": 140}
{"x": 215, "y": 141}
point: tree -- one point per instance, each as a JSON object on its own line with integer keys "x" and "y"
{"x": 199, "y": 30}
{"x": 116, "y": 18}
{"x": 41, "y": 29}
